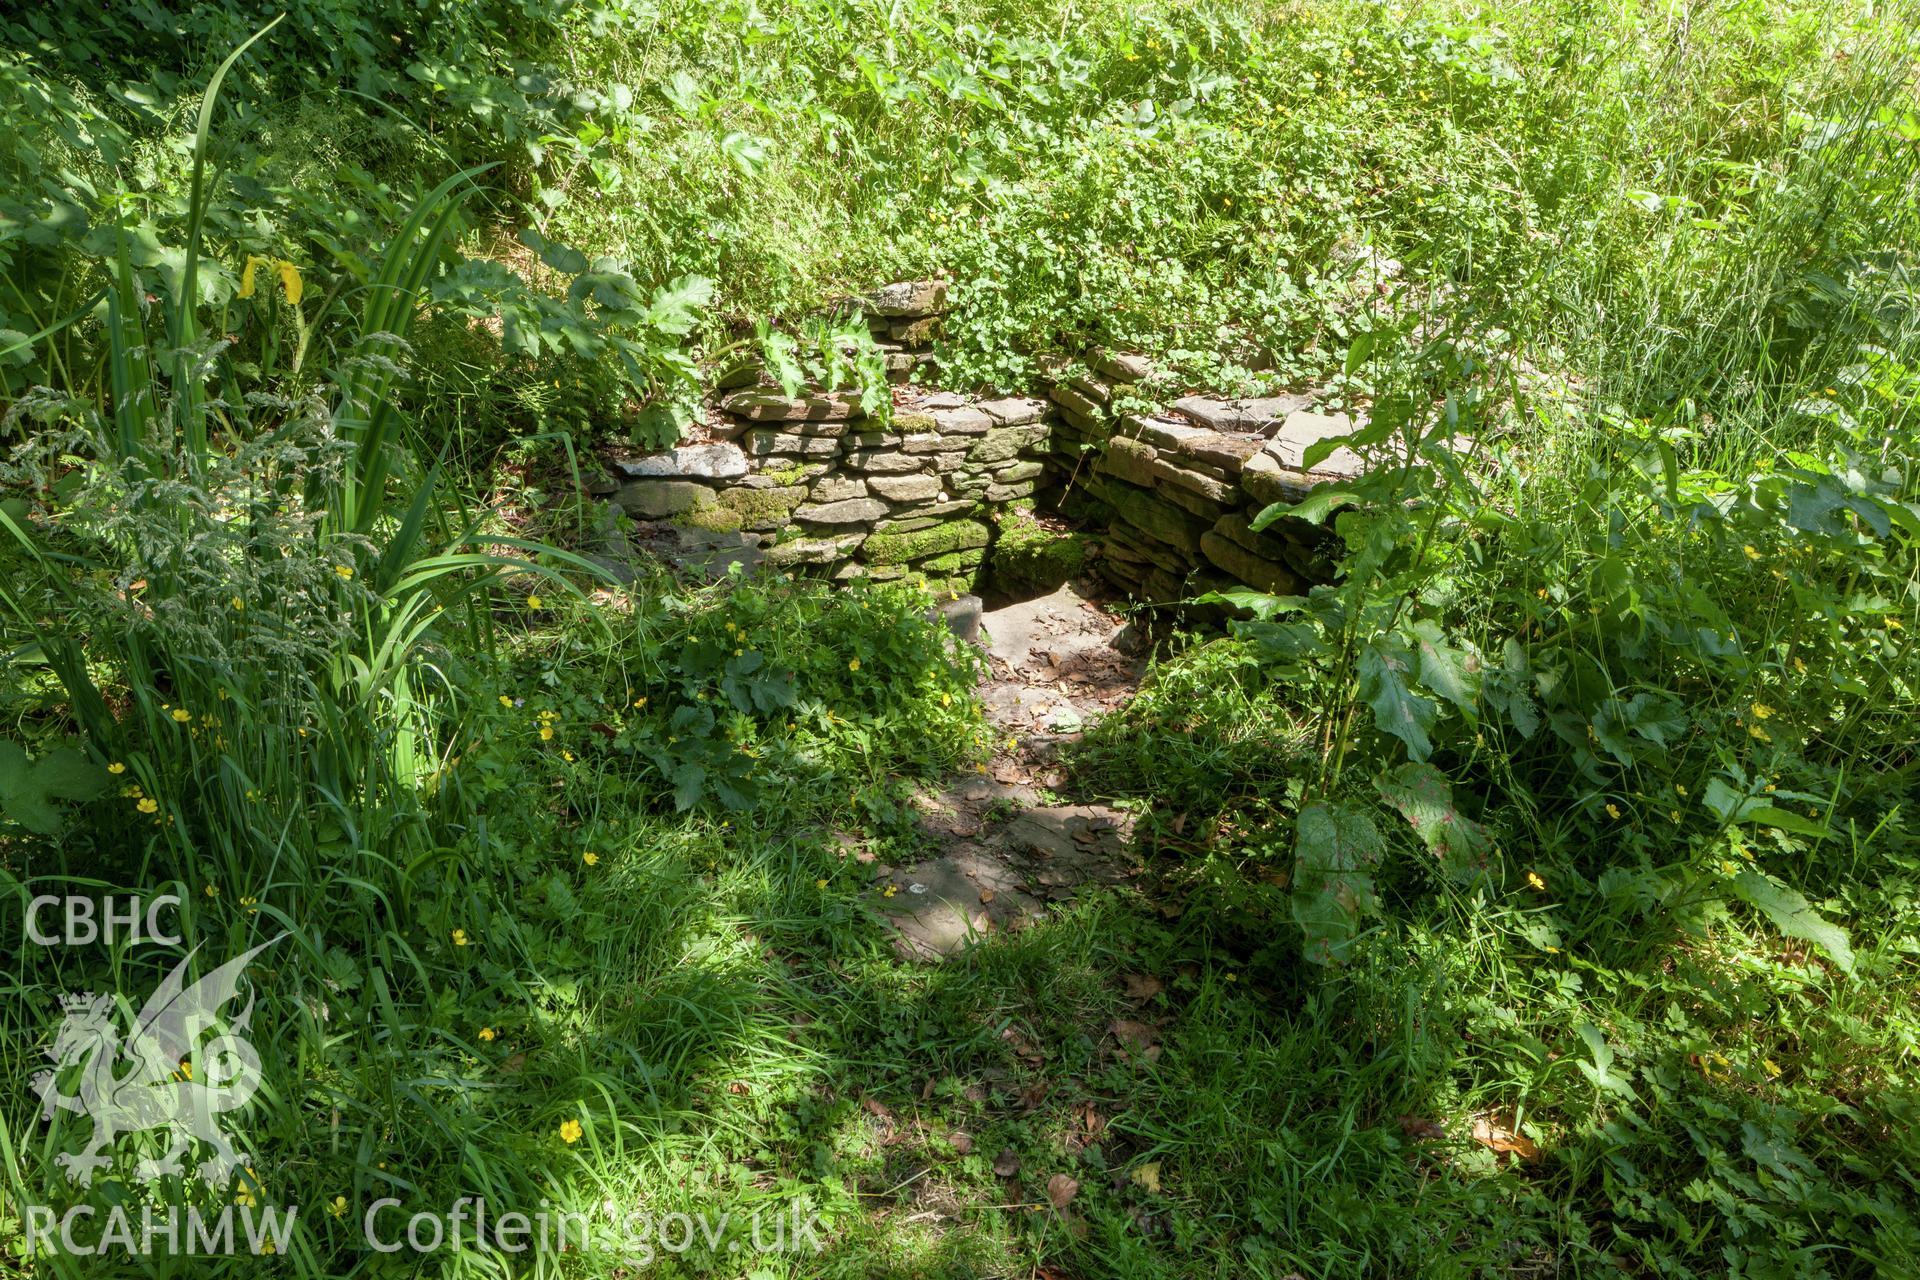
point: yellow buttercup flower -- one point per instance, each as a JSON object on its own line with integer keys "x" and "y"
{"x": 570, "y": 1131}
{"x": 116, "y": 767}
{"x": 486, "y": 1034}
{"x": 546, "y": 733}
{"x": 1533, "y": 878}
{"x": 533, "y": 602}
{"x": 182, "y": 715}
{"x": 820, "y": 883}
{"x": 344, "y": 570}
{"x": 339, "y": 1207}
{"x": 1613, "y": 811}
{"x": 1761, "y": 711}
{"x": 854, "y": 665}
{"x": 459, "y": 937}
{"x": 505, "y": 701}
{"x": 591, "y": 859}
{"x": 290, "y": 281}
{"x": 148, "y": 805}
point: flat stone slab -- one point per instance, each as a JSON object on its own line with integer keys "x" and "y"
{"x": 1014, "y": 411}
{"x": 846, "y": 511}
{"x": 772, "y": 406}
{"x": 697, "y": 461}
{"x": 1260, "y": 416}
{"x": 1301, "y": 431}
{"x": 908, "y": 298}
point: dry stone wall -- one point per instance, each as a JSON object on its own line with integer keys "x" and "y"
{"x": 812, "y": 484}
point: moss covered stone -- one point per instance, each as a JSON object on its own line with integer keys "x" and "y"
{"x": 763, "y": 506}
{"x": 953, "y": 561}
{"x": 1029, "y": 558}
{"x": 714, "y": 519}
{"x": 899, "y": 548}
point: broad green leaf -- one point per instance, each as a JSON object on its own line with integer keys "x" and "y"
{"x": 1383, "y": 669}
{"x": 1445, "y": 670}
{"x": 689, "y": 783}
{"x": 1793, "y": 915}
{"x": 1424, "y": 798}
{"x": 1600, "y": 1070}
{"x": 562, "y": 258}
{"x": 1314, "y": 508}
{"x": 1335, "y": 850}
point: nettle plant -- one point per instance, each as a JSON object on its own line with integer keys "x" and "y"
{"x": 1672, "y": 682}
{"x": 615, "y": 340}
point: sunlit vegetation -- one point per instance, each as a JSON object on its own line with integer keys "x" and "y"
{"x": 1537, "y": 898}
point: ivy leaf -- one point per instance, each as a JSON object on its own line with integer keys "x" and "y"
{"x": 1397, "y": 709}
{"x": 1335, "y": 851}
{"x": 1793, "y": 915}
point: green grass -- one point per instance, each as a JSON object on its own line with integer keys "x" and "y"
{"x": 1639, "y": 667}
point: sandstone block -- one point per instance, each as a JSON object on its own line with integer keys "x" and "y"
{"x": 1014, "y": 411}
{"x": 763, "y": 508}
{"x": 658, "y": 499}
{"x": 1247, "y": 567}
{"x": 762, "y": 442}
{"x": 812, "y": 550}
{"x": 838, "y": 487}
{"x": 1072, "y": 399}
{"x": 884, "y": 462}
{"x": 908, "y": 298}
{"x": 1005, "y": 443}
{"x": 910, "y": 488}
{"x": 1261, "y": 416}
{"x": 849, "y": 511}
{"x": 965, "y": 420}
{"x": 772, "y": 406}
{"x": 1301, "y": 431}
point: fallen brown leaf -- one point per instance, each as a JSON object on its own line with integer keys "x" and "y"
{"x": 1142, "y": 986}
{"x": 1147, "y": 1177}
{"x": 1492, "y": 1133}
{"x": 1006, "y": 1164}
{"x": 1136, "y": 1037}
{"x": 1061, "y": 1190}
{"x": 961, "y": 1142}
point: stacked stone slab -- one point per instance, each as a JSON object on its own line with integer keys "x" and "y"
{"x": 904, "y": 319}
{"x": 1179, "y": 492}
{"x": 812, "y": 483}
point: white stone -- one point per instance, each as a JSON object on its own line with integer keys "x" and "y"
{"x": 706, "y": 461}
